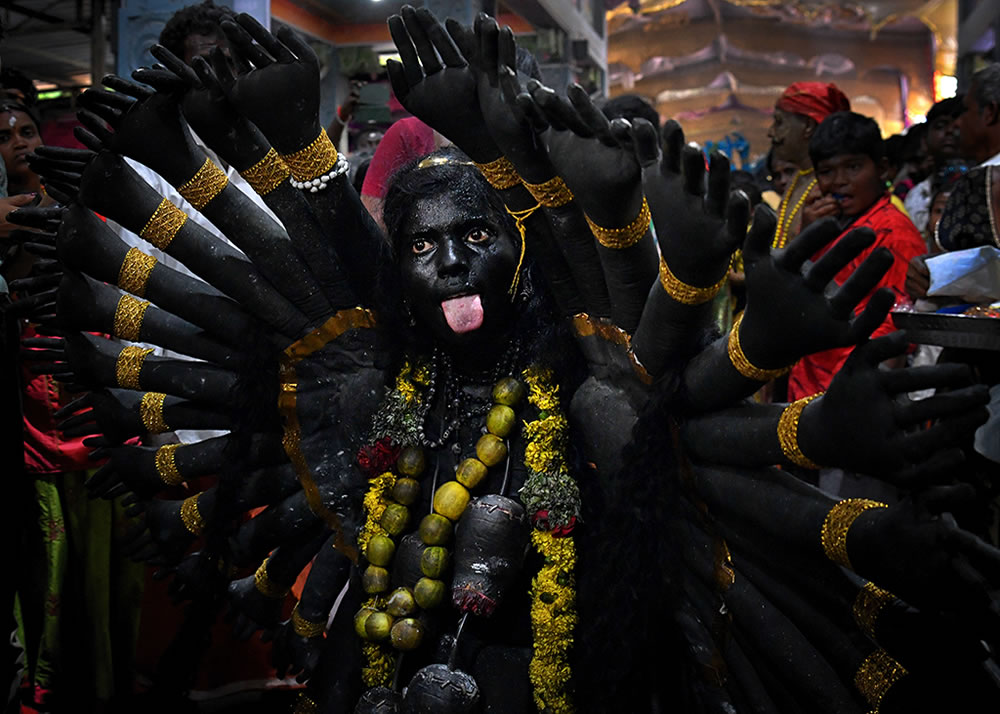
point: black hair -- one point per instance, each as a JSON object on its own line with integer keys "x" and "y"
{"x": 846, "y": 133}
{"x": 912, "y": 141}
{"x": 894, "y": 149}
{"x": 629, "y": 106}
{"x": 945, "y": 177}
{"x": 202, "y": 19}
{"x": 9, "y": 105}
{"x": 950, "y": 107}
{"x": 747, "y": 183}
{"x": 13, "y": 78}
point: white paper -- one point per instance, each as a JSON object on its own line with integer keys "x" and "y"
{"x": 972, "y": 274}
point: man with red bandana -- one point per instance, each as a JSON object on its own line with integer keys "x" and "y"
{"x": 797, "y": 113}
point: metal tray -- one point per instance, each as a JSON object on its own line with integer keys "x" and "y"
{"x": 965, "y": 331}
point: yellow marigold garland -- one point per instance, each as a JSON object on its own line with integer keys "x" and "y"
{"x": 553, "y": 621}
{"x": 374, "y": 504}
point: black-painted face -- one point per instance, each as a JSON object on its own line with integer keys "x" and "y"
{"x": 456, "y": 263}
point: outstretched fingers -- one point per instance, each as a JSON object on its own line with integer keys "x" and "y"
{"x": 102, "y": 137}
{"x": 951, "y": 375}
{"x": 421, "y": 42}
{"x": 488, "y": 32}
{"x": 718, "y": 185}
{"x": 807, "y": 243}
{"x": 645, "y": 142}
{"x": 559, "y": 112}
{"x": 757, "y": 245}
{"x": 442, "y": 42}
{"x": 125, "y": 86}
{"x": 264, "y": 38}
{"x": 174, "y": 64}
{"x": 941, "y": 406}
{"x": 241, "y": 45}
{"x": 593, "y": 117}
{"x": 946, "y": 433}
{"x": 673, "y": 146}
{"x": 411, "y": 71}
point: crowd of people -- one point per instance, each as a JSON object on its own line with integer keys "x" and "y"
{"x": 476, "y": 301}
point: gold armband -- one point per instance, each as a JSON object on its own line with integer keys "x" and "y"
{"x": 267, "y": 174}
{"x": 151, "y": 410}
{"x": 684, "y": 293}
{"x": 742, "y": 364}
{"x": 553, "y": 193}
{"x": 205, "y": 185}
{"x": 191, "y": 516}
{"x": 788, "y": 433}
{"x": 304, "y": 627}
{"x": 836, "y": 524}
{"x": 868, "y": 605}
{"x": 265, "y": 586}
{"x": 626, "y": 237}
{"x": 166, "y": 464}
{"x": 500, "y": 174}
{"x": 163, "y": 225}
{"x": 129, "y": 365}
{"x": 313, "y": 161}
{"x": 128, "y": 317}
{"x": 135, "y": 270}
{"x": 875, "y": 677}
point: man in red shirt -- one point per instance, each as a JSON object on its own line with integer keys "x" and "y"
{"x": 848, "y": 155}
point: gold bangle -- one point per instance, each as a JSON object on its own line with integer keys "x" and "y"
{"x": 625, "y": 237}
{"x": 838, "y": 521}
{"x": 129, "y": 365}
{"x": 304, "y": 627}
{"x": 206, "y": 184}
{"x": 684, "y": 293}
{"x": 553, "y": 193}
{"x": 314, "y": 160}
{"x": 788, "y": 433}
{"x": 166, "y": 464}
{"x": 128, "y": 317}
{"x": 267, "y": 174}
{"x": 742, "y": 364}
{"x": 134, "y": 271}
{"x": 191, "y": 516}
{"x": 868, "y": 605}
{"x": 163, "y": 225}
{"x": 305, "y": 705}
{"x": 265, "y": 586}
{"x": 500, "y": 174}
{"x": 875, "y": 677}
{"x": 151, "y": 410}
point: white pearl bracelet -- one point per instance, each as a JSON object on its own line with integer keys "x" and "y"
{"x": 320, "y": 182}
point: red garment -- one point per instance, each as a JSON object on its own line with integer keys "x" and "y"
{"x": 45, "y": 451}
{"x": 407, "y": 139}
{"x": 893, "y": 230}
{"x": 816, "y": 100}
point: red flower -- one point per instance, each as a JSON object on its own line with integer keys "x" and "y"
{"x": 541, "y": 521}
{"x": 378, "y": 457}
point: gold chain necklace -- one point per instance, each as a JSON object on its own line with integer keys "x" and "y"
{"x": 781, "y": 235}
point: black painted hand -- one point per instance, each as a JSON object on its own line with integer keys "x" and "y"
{"x": 436, "y": 84}
{"x": 604, "y": 176}
{"x": 790, "y": 315}
{"x": 249, "y": 610}
{"x": 159, "y": 536}
{"x": 294, "y": 654}
{"x": 916, "y": 550}
{"x": 697, "y": 227}
{"x": 127, "y": 469}
{"x": 492, "y": 54}
{"x": 276, "y": 84}
{"x": 146, "y": 126}
{"x": 866, "y": 423}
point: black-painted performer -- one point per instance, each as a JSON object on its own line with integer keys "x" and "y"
{"x": 519, "y": 446}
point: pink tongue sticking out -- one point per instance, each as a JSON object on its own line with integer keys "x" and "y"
{"x": 463, "y": 314}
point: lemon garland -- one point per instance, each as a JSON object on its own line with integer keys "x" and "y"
{"x": 549, "y": 493}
